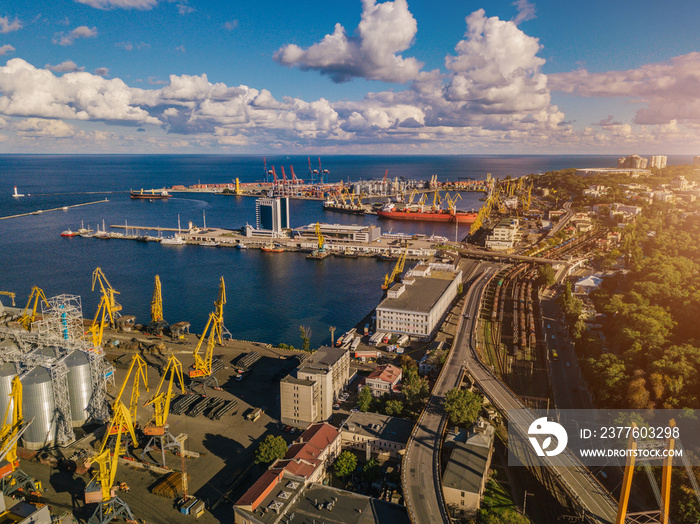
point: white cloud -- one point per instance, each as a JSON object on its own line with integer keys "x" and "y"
{"x": 7, "y": 27}
{"x": 156, "y": 82}
{"x": 184, "y": 9}
{"x": 102, "y": 71}
{"x": 44, "y": 128}
{"x": 669, "y": 88}
{"x": 497, "y": 69}
{"x": 130, "y": 46}
{"x": 64, "y": 67}
{"x": 79, "y": 32}
{"x": 120, "y": 4}
{"x": 7, "y": 48}
{"x": 385, "y": 30}
{"x": 231, "y": 25}
{"x": 181, "y": 49}
{"x": 526, "y": 11}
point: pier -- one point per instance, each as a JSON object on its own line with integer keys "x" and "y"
{"x": 63, "y": 208}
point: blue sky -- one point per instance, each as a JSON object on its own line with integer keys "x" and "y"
{"x": 149, "y": 76}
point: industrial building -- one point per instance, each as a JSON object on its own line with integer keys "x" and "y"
{"x": 63, "y": 375}
{"x": 416, "y": 305}
{"x": 504, "y": 235}
{"x": 308, "y": 394}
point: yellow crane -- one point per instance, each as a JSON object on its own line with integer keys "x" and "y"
{"x": 107, "y": 310}
{"x": 319, "y": 236}
{"x": 29, "y": 313}
{"x": 452, "y": 202}
{"x": 202, "y": 367}
{"x": 436, "y": 199}
{"x": 156, "y": 302}
{"x": 157, "y": 427}
{"x": 140, "y": 375}
{"x": 9, "y": 294}
{"x": 410, "y": 198}
{"x": 13, "y": 479}
{"x": 101, "y": 488}
{"x": 398, "y": 269}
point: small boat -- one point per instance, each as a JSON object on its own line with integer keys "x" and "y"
{"x": 347, "y": 253}
{"x": 102, "y": 234}
{"x": 83, "y": 232}
{"x": 272, "y": 249}
{"x": 68, "y": 233}
{"x": 150, "y": 194}
{"x": 173, "y": 241}
{"x": 16, "y": 194}
{"x": 209, "y": 244}
{"x": 241, "y": 245}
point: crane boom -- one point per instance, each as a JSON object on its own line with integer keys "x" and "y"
{"x": 138, "y": 363}
{"x": 212, "y": 331}
{"x": 161, "y": 399}
{"x": 29, "y": 313}
{"x": 156, "y": 302}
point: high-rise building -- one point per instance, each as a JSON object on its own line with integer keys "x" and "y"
{"x": 658, "y": 161}
{"x": 272, "y": 214}
{"x": 633, "y": 162}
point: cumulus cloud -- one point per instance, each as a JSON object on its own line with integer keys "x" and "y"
{"x": 526, "y": 11}
{"x": 7, "y": 27}
{"x": 385, "y": 30}
{"x": 7, "y": 48}
{"x": 64, "y": 67}
{"x": 231, "y": 25}
{"x": 120, "y": 4}
{"x": 184, "y": 9}
{"x": 669, "y": 88}
{"x": 496, "y": 69}
{"x": 79, "y": 32}
{"x": 102, "y": 71}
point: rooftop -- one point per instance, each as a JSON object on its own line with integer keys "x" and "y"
{"x": 299, "y": 382}
{"x": 467, "y": 464}
{"x": 379, "y": 426}
{"x": 422, "y": 294}
{"x": 386, "y": 373}
{"x": 322, "y": 359}
{"x": 312, "y": 442}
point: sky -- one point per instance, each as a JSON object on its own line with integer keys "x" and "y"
{"x": 350, "y": 77}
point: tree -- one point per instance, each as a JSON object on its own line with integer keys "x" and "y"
{"x": 415, "y": 389}
{"x": 371, "y": 470}
{"x": 345, "y": 464}
{"x": 305, "y": 332}
{"x": 364, "y": 400}
{"x": 462, "y": 406}
{"x": 545, "y": 275}
{"x": 393, "y": 408}
{"x": 508, "y": 516}
{"x": 270, "y": 449}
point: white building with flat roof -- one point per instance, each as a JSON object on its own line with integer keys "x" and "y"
{"x": 416, "y": 305}
{"x": 504, "y": 235}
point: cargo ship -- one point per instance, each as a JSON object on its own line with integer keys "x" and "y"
{"x": 354, "y": 209}
{"x": 429, "y": 215}
{"x": 150, "y": 194}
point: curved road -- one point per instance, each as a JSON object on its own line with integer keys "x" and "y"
{"x": 421, "y": 470}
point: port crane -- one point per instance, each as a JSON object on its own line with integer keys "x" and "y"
{"x": 29, "y": 313}
{"x": 202, "y": 368}
{"x": 319, "y": 236}
{"x": 9, "y": 294}
{"x": 107, "y": 310}
{"x": 139, "y": 368}
{"x": 13, "y": 479}
{"x": 398, "y": 269}
{"x": 452, "y": 202}
{"x": 156, "y": 302}
{"x": 157, "y": 428}
{"x": 101, "y": 488}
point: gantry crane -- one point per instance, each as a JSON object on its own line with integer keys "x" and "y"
{"x": 13, "y": 479}
{"x": 202, "y": 367}
{"x": 29, "y": 313}
{"x": 140, "y": 374}
{"x": 101, "y": 488}
{"x": 107, "y": 310}
{"x": 398, "y": 269}
{"x": 157, "y": 428}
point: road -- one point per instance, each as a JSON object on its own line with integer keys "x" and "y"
{"x": 421, "y": 473}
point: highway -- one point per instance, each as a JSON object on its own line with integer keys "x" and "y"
{"x": 422, "y": 482}
{"x": 421, "y": 474}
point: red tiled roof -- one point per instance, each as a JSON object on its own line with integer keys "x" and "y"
{"x": 261, "y": 489}
{"x": 302, "y": 468}
{"x": 312, "y": 442}
{"x": 386, "y": 373}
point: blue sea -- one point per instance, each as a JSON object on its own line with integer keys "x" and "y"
{"x": 269, "y": 295}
